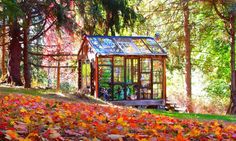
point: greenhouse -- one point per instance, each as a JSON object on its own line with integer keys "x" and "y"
{"x": 122, "y": 68}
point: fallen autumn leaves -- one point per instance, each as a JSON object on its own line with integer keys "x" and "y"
{"x": 27, "y": 118}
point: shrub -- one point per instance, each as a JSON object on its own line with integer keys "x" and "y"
{"x": 66, "y": 87}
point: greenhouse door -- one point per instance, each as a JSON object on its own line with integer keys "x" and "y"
{"x": 157, "y": 79}
{"x": 132, "y": 75}
{"x": 146, "y": 79}
{"x": 104, "y": 77}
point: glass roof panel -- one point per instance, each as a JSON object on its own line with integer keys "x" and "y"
{"x": 127, "y": 45}
{"x": 153, "y": 45}
{"x": 141, "y": 46}
{"x": 121, "y": 45}
{"x": 105, "y": 45}
{"x": 96, "y": 45}
{"x": 110, "y": 46}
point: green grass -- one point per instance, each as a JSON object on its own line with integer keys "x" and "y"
{"x": 14, "y": 90}
{"x": 228, "y": 118}
{"x": 50, "y": 93}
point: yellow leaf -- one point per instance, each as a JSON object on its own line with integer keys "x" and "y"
{"x": 120, "y": 120}
{"x": 12, "y": 122}
{"x": 23, "y": 110}
{"x": 179, "y": 128}
{"x": 27, "y": 120}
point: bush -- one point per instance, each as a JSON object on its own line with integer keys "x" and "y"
{"x": 66, "y": 87}
{"x": 218, "y": 87}
{"x": 211, "y": 105}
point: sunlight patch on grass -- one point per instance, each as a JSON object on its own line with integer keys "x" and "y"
{"x": 229, "y": 118}
{"x": 19, "y": 90}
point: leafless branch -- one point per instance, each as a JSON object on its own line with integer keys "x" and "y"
{"x": 42, "y": 31}
{"x": 218, "y": 12}
{"x": 40, "y": 54}
{"x": 43, "y": 66}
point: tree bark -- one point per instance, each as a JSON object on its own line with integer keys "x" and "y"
{"x": 187, "y": 55}
{"x": 27, "y": 76}
{"x": 4, "y": 70}
{"x": 108, "y": 20}
{"x": 58, "y": 76}
{"x": 232, "y": 107}
{"x": 15, "y": 55}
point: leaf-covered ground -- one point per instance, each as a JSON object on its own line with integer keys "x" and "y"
{"x": 27, "y": 118}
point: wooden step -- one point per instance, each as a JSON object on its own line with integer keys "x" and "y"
{"x": 173, "y": 106}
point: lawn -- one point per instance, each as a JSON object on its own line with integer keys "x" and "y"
{"x": 228, "y": 118}
{"x": 20, "y": 90}
{"x": 49, "y": 93}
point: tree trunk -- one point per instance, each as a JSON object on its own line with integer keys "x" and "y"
{"x": 27, "y": 76}
{"x": 232, "y": 107}
{"x": 4, "y": 70}
{"x": 15, "y": 55}
{"x": 187, "y": 55}
{"x": 108, "y": 20}
{"x": 58, "y": 76}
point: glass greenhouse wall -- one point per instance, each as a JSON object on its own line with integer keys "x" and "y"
{"x": 122, "y": 68}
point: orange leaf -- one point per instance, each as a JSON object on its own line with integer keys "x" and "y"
{"x": 194, "y": 132}
{"x": 180, "y": 138}
{"x": 12, "y": 135}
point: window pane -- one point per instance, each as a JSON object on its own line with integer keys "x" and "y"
{"x": 157, "y": 71}
{"x": 104, "y": 75}
{"x": 109, "y": 46}
{"x": 153, "y": 45}
{"x": 145, "y": 93}
{"x": 127, "y": 45}
{"x": 119, "y": 61}
{"x": 129, "y": 71}
{"x": 118, "y": 74}
{"x": 141, "y": 46}
{"x": 105, "y": 45}
{"x": 96, "y": 45}
{"x": 104, "y": 81}
{"x": 132, "y": 92}
{"x": 135, "y": 70}
{"x": 157, "y": 91}
{"x": 86, "y": 70}
{"x": 119, "y": 93}
{"x": 146, "y": 65}
{"x": 104, "y": 61}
